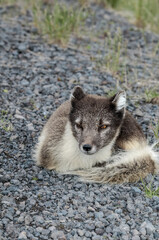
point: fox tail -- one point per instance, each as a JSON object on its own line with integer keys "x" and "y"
{"x": 127, "y": 166}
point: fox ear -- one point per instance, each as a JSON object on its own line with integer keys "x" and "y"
{"x": 119, "y": 100}
{"x": 77, "y": 93}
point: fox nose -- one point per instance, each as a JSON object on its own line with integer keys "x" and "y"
{"x": 87, "y": 147}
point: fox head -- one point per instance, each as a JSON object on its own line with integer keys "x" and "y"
{"x": 95, "y": 120}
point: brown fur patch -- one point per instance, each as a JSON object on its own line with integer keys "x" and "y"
{"x": 133, "y": 172}
{"x": 155, "y": 100}
{"x": 129, "y": 145}
{"x": 46, "y": 159}
{"x": 131, "y": 135}
{"x": 51, "y": 136}
{"x": 130, "y": 172}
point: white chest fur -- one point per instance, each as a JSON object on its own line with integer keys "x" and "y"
{"x": 70, "y": 157}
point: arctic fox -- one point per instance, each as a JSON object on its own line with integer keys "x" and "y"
{"x": 82, "y": 135}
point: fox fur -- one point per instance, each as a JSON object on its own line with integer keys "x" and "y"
{"x": 155, "y": 100}
{"x": 84, "y": 133}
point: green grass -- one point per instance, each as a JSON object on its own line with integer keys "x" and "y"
{"x": 35, "y": 179}
{"x": 5, "y": 123}
{"x": 58, "y": 21}
{"x": 113, "y": 58}
{"x": 144, "y": 13}
{"x": 5, "y": 90}
{"x": 149, "y": 94}
{"x": 10, "y": 2}
{"x": 107, "y": 3}
{"x": 111, "y": 93}
{"x": 156, "y": 130}
{"x": 149, "y": 189}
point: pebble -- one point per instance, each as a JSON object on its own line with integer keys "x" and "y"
{"x": 22, "y": 47}
{"x": 135, "y": 238}
{"x": 138, "y": 113}
{"x": 24, "y": 82}
{"x": 39, "y": 219}
{"x": 148, "y": 226}
{"x": 22, "y": 235}
{"x": 80, "y": 232}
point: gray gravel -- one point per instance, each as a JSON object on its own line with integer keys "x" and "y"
{"x": 35, "y": 78}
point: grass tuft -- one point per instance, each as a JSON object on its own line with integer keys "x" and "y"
{"x": 149, "y": 94}
{"x": 145, "y": 12}
{"x": 58, "y": 21}
{"x": 111, "y": 3}
{"x": 111, "y": 93}
{"x": 55, "y": 21}
{"x": 156, "y": 130}
{"x": 149, "y": 189}
{"x": 5, "y": 123}
{"x": 113, "y": 57}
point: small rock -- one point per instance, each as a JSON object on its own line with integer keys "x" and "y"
{"x": 40, "y": 229}
{"x": 39, "y": 219}
{"x": 138, "y": 113}
{"x": 90, "y": 226}
{"x": 30, "y": 127}
{"x": 22, "y": 235}
{"x": 21, "y": 219}
{"x": 143, "y": 231}
{"x": 28, "y": 220}
{"x": 80, "y": 232}
{"x": 24, "y": 82}
{"x": 90, "y": 209}
{"x": 136, "y": 189}
{"x": 99, "y": 215}
{"x": 136, "y": 237}
{"x": 99, "y": 231}
{"x": 149, "y": 227}
{"x": 112, "y": 216}
{"x": 19, "y": 116}
{"x": 22, "y": 47}
{"x": 58, "y": 235}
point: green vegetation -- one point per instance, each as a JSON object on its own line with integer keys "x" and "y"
{"x": 111, "y": 93}
{"x": 7, "y": 2}
{"x": 5, "y": 121}
{"x": 149, "y": 94}
{"x": 113, "y": 57}
{"x": 156, "y": 130}
{"x": 144, "y": 13}
{"x": 54, "y": 21}
{"x": 35, "y": 179}
{"x": 58, "y": 21}
{"x": 149, "y": 189}
{"x": 107, "y": 3}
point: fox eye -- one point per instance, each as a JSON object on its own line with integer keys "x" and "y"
{"x": 103, "y": 126}
{"x": 78, "y": 125}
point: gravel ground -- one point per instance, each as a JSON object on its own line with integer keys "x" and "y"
{"x": 35, "y": 78}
